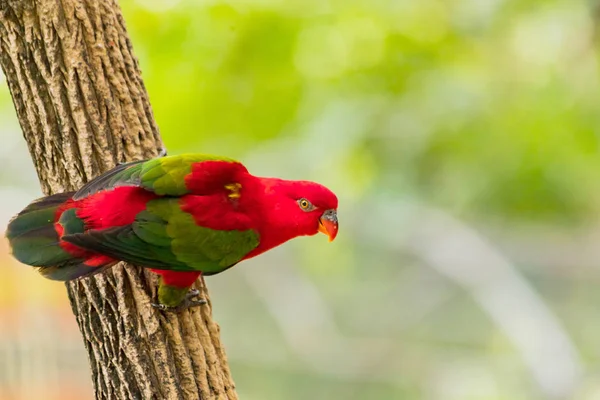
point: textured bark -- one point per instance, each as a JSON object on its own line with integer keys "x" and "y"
{"x": 83, "y": 107}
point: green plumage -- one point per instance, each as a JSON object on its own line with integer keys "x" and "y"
{"x": 34, "y": 240}
{"x": 202, "y": 249}
{"x": 171, "y": 296}
{"x": 165, "y": 237}
{"x": 71, "y": 223}
{"x": 32, "y": 236}
{"x": 164, "y": 176}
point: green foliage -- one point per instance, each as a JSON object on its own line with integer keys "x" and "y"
{"x": 445, "y": 88}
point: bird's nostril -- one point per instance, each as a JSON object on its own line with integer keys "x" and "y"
{"x": 330, "y": 215}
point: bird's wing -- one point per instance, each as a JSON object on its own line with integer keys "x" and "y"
{"x": 165, "y": 237}
{"x": 169, "y": 176}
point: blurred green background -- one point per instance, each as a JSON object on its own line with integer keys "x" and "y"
{"x": 462, "y": 138}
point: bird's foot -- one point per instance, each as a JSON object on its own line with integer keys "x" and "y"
{"x": 186, "y": 303}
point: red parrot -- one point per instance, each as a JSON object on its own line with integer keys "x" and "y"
{"x": 180, "y": 216}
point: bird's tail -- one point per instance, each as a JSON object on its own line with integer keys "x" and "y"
{"x": 34, "y": 237}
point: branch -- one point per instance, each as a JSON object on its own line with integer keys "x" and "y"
{"x": 82, "y": 105}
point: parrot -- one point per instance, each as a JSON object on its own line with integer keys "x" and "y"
{"x": 180, "y": 216}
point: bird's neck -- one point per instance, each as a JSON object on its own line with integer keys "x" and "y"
{"x": 265, "y": 205}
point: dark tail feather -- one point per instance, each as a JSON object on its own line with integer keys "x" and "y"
{"x": 39, "y": 213}
{"x": 32, "y": 235}
{"x": 34, "y": 240}
{"x": 71, "y": 271}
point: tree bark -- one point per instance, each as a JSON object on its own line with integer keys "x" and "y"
{"x": 82, "y": 105}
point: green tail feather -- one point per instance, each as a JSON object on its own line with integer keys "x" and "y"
{"x": 34, "y": 241}
{"x": 40, "y": 213}
{"x": 32, "y": 236}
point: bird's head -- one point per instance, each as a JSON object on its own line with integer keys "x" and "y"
{"x": 306, "y": 208}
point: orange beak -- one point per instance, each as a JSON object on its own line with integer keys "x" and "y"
{"x": 328, "y": 224}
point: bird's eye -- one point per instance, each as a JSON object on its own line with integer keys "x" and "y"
{"x": 305, "y": 204}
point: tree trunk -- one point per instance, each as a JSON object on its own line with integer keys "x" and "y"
{"x": 83, "y": 107}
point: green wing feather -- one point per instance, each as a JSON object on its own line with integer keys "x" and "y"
{"x": 165, "y": 237}
{"x": 164, "y": 176}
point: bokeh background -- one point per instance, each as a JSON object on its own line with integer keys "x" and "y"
{"x": 463, "y": 140}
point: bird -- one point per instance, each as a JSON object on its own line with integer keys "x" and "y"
{"x": 180, "y": 216}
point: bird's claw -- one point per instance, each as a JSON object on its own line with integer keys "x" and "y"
{"x": 186, "y": 303}
{"x": 160, "y": 306}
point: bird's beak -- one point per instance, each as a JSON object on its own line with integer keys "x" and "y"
{"x": 328, "y": 224}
